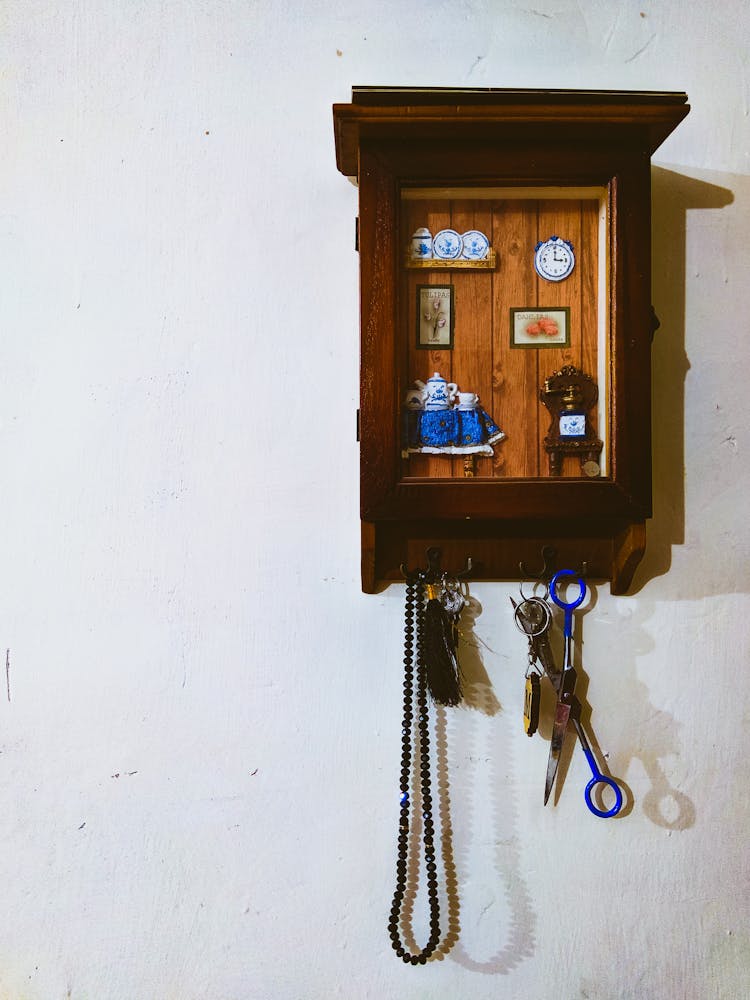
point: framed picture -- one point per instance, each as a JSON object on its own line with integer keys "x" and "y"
{"x": 540, "y": 327}
{"x": 435, "y": 317}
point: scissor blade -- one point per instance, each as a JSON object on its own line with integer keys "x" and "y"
{"x": 562, "y": 715}
{"x": 547, "y": 659}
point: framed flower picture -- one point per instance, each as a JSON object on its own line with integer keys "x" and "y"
{"x": 539, "y": 328}
{"x": 435, "y": 317}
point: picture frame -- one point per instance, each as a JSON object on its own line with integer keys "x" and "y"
{"x": 536, "y": 328}
{"x": 435, "y": 317}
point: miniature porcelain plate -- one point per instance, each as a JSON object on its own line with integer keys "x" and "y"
{"x": 447, "y": 245}
{"x": 476, "y": 246}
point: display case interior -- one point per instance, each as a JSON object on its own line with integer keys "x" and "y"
{"x": 510, "y": 328}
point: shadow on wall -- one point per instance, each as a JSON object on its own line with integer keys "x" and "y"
{"x": 648, "y": 734}
{"x": 672, "y": 196}
{"x": 478, "y": 745}
{"x": 645, "y": 733}
{"x": 484, "y": 796}
{"x": 482, "y": 750}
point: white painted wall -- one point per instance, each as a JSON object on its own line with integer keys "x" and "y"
{"x": 199, "y": 759}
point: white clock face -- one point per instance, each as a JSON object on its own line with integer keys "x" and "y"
{"x": 554, "y": 259}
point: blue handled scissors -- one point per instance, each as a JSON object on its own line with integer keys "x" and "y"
{"x": 569, "y": 707}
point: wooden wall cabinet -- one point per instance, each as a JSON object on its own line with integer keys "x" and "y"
{"x": 521, "y": 167}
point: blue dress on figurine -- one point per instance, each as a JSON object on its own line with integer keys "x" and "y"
{"x": 433, "y": 427}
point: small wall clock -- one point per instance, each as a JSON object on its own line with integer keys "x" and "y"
{"x": 554, "y": 259}
{"x": 583, "y": 487}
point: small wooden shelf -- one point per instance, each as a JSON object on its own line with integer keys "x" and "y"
{"x": 611, "y": 551}
{"x": 434, "y": 264}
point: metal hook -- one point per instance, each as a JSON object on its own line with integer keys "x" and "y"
{"x": 433, "y": 571}
{"x": 464, "y": 573}
{"x": 434, "y": 555}
{"x": 549, "y": 555}
{"x": 549, "y": 558}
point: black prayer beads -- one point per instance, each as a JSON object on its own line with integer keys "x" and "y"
{"x": 413, "y": 651}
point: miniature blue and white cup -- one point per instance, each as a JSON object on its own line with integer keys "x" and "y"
{"x": 467, "y": 400}
{"x": 420, "y": 247}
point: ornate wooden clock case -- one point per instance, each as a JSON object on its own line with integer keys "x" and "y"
{"x": 531, "y": 171}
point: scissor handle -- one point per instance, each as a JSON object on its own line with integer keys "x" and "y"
{"x": 600, "y": 779}
{"x": 567, "y": 606}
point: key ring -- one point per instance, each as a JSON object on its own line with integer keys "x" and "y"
{"x": 527, "y": 625}
{"x": 451, "y": 596}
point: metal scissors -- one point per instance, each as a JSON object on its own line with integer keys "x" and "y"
{"x": 569, "y": 707}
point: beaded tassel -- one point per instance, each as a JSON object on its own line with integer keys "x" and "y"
{"x": 441, "y": 661}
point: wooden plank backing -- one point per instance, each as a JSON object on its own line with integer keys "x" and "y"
{"x": 483, "y": 360}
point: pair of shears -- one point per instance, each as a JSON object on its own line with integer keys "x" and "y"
{"x": 568, "y": 706}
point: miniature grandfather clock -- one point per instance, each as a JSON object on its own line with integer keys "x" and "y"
{"x": 506, "y": 324}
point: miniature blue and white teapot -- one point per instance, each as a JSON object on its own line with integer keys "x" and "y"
{"x": 440, "y": 393}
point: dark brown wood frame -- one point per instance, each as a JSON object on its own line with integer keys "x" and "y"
{"x": 600, "y": 140}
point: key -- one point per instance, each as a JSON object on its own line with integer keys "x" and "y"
{"x": 532, "y": 617}
{"x": 531, "y": 704}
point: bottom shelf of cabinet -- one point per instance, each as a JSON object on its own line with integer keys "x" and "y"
{"x": 603, "y": 550}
